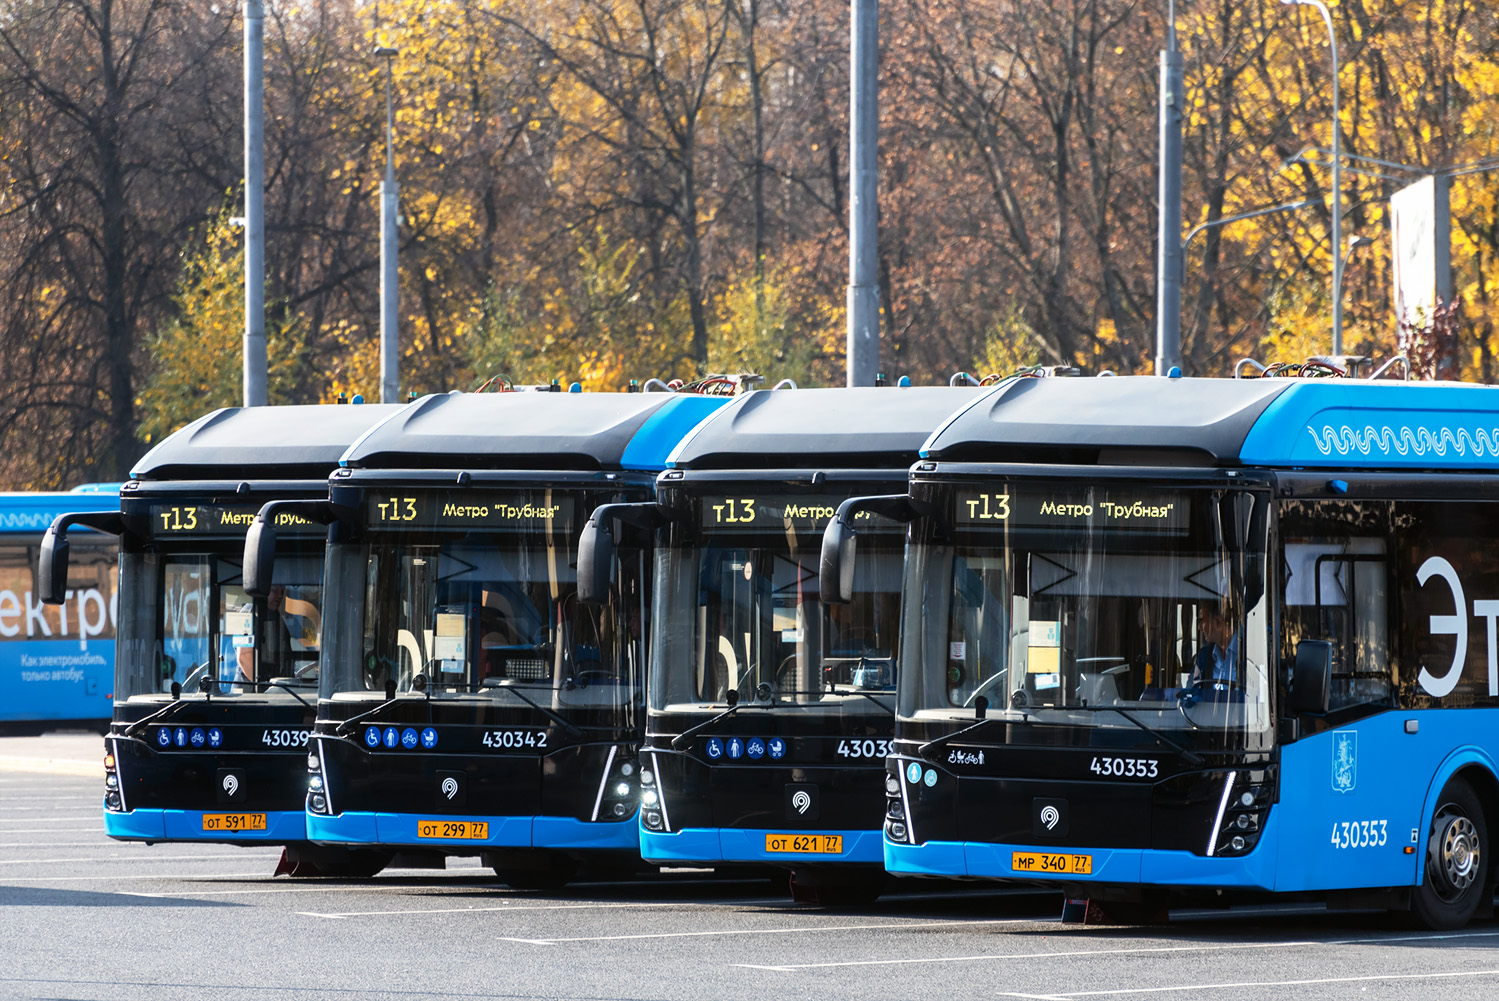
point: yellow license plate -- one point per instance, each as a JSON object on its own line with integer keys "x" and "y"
{"x": 459, "y": 830}
{"x": 233, "y": 821}
{"x": 1046, "y": 862}
{"x": 805, "y": 844}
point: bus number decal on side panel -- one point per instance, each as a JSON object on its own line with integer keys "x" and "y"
{"x": 285, "y": 738}
{"x": 1125, "y": 768}
{"x": 506, "y": 740}
{"x": 1360, "y": 834}
{"x": 863, "y": 748}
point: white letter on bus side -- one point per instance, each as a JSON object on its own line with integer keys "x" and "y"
{"x": 1490, "y": 610}
{"x": 1453, "y": 625}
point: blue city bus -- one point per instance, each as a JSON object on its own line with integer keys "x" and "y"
{"x": 469, "y": 704}
{"x": 1171, "y": 640}
{"x": 769, "y": 714}
{"x": 56, "y": 661}
{"x": 214, "y": 690}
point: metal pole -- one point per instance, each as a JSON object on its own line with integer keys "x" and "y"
{"x": 1337, "y": 182}
{"x": 389, "y": 276}
{"x": 1337, "y": 193}
{"x": 1169, "y": 213}
{"x": 863, "y": 281}
{"x": 254, "y": 341}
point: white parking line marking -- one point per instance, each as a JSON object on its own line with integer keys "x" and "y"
{"x": 660, "y": 905}
{"x": 137, "y": 859}
{"x": 117, "y": 878}
{"x": 1258, "y": 984}
{"x": 1068, "y": 953}
{"x": 1134, "y": 950}
{"x": 96, "y": 817}
{"x": 892, "y": 925}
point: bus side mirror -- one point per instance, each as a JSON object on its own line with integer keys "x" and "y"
{"x": 52, "y": 558}
{"x": 1311, "y": 678}
{"x": 52, "y": 565}
{"x": 595, "y": 559}
{"x": 260, "y": 556}
{"x": 835, "y": 567}
{"x": 596, "y": 545}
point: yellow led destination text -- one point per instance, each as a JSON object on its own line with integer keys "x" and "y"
{"x": 178, "y": 519}
{"x": 396, "y": 509}
{"x": 772, "y": 514}
{"x": 501, "y": 512}
{"x": 989, "y": 507}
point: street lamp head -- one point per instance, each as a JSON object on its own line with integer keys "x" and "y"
{"x": 1359, "y": 241}
{"x": 386, "y": 50}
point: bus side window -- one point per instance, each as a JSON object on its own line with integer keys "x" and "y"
{"x": 1336, "y": 589}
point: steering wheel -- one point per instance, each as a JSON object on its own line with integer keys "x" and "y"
{"x": 985, "y": 687}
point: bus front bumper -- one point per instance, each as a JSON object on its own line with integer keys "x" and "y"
{"x": 281, "y": 826}
{"x": 367, "y": 828}
{"x": 729, "y": 844}
{"x": 980, "y": 860}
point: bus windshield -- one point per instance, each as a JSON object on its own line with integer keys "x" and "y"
{"x": 743, "y": 615}
{"x": 186, "y": 617}
{"x": 1092, "y": 607}
{"x": 480, "y": 614}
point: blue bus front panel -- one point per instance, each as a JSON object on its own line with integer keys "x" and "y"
{"x": 211, "y": 772}
{"x": 761, "y": 797}
{"x": 1353, "y": 809}
{"x": 392, "y": 783}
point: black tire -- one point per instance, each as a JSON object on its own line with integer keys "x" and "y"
{"x": 1456, "y": 876}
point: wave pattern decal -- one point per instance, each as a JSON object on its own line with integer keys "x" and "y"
{"x": 1406, "y": 440}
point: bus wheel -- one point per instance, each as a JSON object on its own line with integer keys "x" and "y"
{"x": 1457, "y": 864}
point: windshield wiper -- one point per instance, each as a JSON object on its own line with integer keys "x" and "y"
{"x": 269, "y": 684}
{"x": 170, "y": 709}
{"x": 834, "y": 690}
{"x": 682, "y": 739}
{"x": 347, "y": 726}
{"x": 555, "y": 717}
{"x": 948, "y": 738}
{"x": 1189, "y": 756}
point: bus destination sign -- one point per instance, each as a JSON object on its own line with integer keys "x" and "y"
{"x": 1097, "y": 508}
{"x": 802, "y": 513}
{"x": 219, "y": 519}
{"x": 541, "y": 511}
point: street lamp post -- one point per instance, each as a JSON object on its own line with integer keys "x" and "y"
{"x": 1337, "y": 181}
{"x": 389, "y": 275}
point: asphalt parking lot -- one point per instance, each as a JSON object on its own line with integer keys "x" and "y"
{"x": 84, "y": 917}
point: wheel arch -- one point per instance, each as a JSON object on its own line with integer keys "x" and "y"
{"x": 1475, "y": 766}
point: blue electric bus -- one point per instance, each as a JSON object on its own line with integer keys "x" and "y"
{"x": 214, "y": 690}
{"x": 1175, "y": 639}
{"x": 769, "y": 714}
{"x": 469, "y": 704}
{"x": 56, "y": 661}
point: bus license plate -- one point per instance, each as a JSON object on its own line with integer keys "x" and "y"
{"x": 461, "y": 830}
{"x": 805, "y": 844}
{"x": 233, "y": 821}
{"x": 1048, "y": 862}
